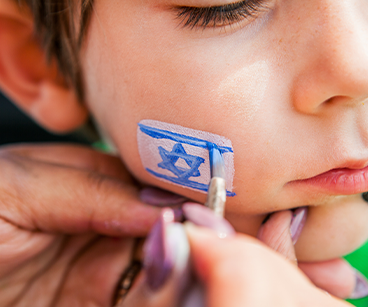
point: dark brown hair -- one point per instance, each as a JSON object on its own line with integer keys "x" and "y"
{"x": 60, "y": 37}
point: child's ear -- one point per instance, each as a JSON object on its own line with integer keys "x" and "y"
{"x": 28, "y": 79}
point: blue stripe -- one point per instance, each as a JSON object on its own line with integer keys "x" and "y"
{"x": 180, "y": 138}
{"x": 187, "y": 183}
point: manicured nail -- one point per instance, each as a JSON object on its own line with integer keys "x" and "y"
{"x": 160, "y": 198}
{"x": 158, "y": 260}
{"x": 297, "y": 223}
{"x": 179, "y": 215}
{"x": 166, "y": 250}
{"x": 361, "y": 286}
{"x": 203, "y": 216}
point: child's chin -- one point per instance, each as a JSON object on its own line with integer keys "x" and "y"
{"x": 333, "y": 230}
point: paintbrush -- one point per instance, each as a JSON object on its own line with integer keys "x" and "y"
{"x": 216, "y": 196}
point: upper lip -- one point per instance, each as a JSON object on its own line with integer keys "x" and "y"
{"x": 344, "y": 166}
{"x": 358, "y": 164}
{"x": 346, "y": 179}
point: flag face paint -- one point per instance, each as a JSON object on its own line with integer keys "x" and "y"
{"x": 180, "y": 155}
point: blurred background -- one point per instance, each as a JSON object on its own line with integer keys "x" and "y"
{"x": 15, "y": 127}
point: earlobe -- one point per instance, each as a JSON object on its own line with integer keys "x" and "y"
{"x": 29, "y": 79}
{"x": 57, "y": 108}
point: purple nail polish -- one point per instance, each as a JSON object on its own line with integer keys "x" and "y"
{"x": 160, "y": 198}
{"x": 178, "y": 213}
{"x": 167, "y": 253}
{"x": 297, "y": 223}
{"x": 203, "y": 216}
{"x": 158, "y": 259}
{"x": 361, "y": 286}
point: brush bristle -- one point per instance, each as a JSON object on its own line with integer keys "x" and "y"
{"x": 217, "y": 162}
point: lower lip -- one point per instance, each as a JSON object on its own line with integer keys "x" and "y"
{"x": 343, "y": 181}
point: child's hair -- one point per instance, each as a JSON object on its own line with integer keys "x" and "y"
{"x": 61, "y": 39}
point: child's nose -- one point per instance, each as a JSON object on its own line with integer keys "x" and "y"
{"x": 334, "y": 69}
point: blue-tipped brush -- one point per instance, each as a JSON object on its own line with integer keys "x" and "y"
{"x": 217, "y": 163}
{"x": 216, "y": 197}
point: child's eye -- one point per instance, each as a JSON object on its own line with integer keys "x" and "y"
{"x": 219, "y": 16}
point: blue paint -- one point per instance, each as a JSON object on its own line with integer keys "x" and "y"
{"x": 180, "y": 138}
{"x": 170, "y": 158}
{"x": 186, "y": 183}
{"x": 217, "y": 162}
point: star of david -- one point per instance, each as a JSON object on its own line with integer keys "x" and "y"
{"x": 169, "y": 159}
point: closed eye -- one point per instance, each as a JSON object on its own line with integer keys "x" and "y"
{"x": 219, "y": 16}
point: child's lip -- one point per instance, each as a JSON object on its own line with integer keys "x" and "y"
{"x": 352, "y": 178}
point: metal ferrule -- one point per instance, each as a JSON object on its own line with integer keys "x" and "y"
{"x": 216, "y": 197}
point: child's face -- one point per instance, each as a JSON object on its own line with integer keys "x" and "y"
{"x": 288, "y": 87}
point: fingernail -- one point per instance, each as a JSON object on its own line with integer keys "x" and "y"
{"x": 160, "y": 198}
{"x": 203, "y": 216}
{"x": 166, "y": 249}
{"x": 297, "y": 223}
{"x": 178, "y": 213}
{"x": 361, "y": 286}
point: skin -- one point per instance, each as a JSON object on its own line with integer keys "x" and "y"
{"x": 235, "y": 271}
{"x": 65, "y": 247}
{"x": 291, "y": 102}
{"x": 215, "y": 261}
{"x": 195, "y": 66}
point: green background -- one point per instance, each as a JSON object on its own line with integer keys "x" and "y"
{"x": 359, "y": 260}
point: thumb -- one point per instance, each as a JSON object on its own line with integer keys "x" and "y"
{"x": 337, "y": 277}
{"x": 281, "y": 231}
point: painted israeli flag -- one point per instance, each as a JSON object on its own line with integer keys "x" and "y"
{"x": 180, "y": 155}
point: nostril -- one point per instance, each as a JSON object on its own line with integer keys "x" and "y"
{"x": 329, "y": 101}
{"x": 365, "y": 196}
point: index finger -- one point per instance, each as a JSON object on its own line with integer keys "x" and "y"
{"x": 58, "y": 198}
{"x": 72, "y": 155}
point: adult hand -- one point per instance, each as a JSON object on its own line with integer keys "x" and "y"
{"x": 236, "y": 271}
{"x": 239, "y": 271}
{"x": 56, "y": 204}
{"x": 335, "y": 276}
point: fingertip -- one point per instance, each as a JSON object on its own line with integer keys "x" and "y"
{"x": 275, "y": 233}
{"x": 361, "y": 286}
{"x": 335, "y": 276}
{"x": 202, "y": 244}
{"x": 205, "y": 217}
{"x": 198, "y": 235}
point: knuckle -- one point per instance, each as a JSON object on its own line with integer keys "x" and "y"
{"x": 106, "y": 186}
{"x": 13, "y": 190}
{"x": 98, "y": 187}
{"x": 95, "y": 181}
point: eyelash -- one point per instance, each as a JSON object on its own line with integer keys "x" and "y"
{"x": 218, "y": 16}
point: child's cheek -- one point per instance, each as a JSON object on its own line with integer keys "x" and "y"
{"x": 243, "y": 91}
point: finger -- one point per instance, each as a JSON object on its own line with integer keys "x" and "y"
{"x": 55, "y": 198}
{"x": 166, "y": 271}
{"x": 275, "y": 233}
{"x": 142, "y": 295}
{"x": 76, "y": 156}
{"x": 336, "y": 277}
{"x": 19, "y": 248}
{"x": 39, "y": 278}
{"x": 92, "y": 277}
{"x": 217, "y": 265}
{"x": 240, "y": 272}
